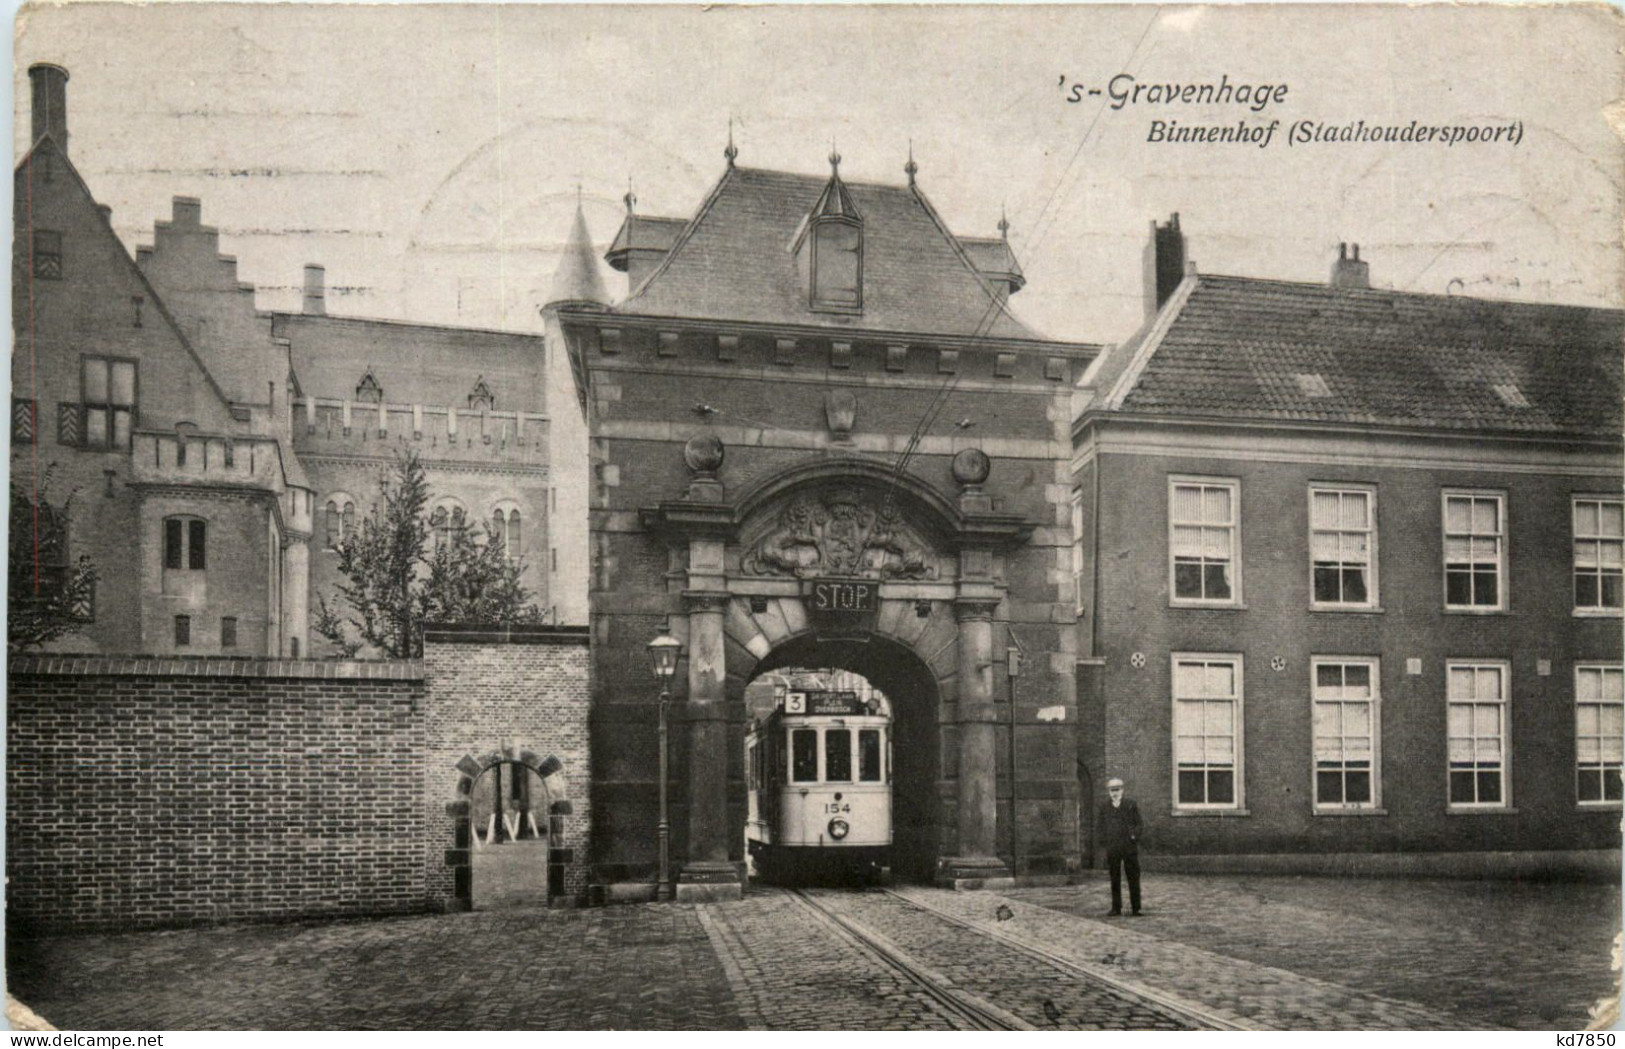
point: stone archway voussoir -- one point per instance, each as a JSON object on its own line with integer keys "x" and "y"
{"x": 794, "y": 613}
{"x": 771, "y": 623}
{"x": 890, "y": 616}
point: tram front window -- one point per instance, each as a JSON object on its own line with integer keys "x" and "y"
{"x": 869, "y": 755}
{"x": 838, "y": 756}
{"x": 804, "y": 755}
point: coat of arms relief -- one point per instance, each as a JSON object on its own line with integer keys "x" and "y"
{"x": 839, "y": 532}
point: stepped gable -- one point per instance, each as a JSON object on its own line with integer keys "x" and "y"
{"x": 48, "y": 189}
{"x": 1239, "y": 347}
{"x": 735, "y": 261}
{"x": 214, "y": 308}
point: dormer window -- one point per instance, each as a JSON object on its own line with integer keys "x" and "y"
{"x": 837, "y": 266}
{"x": 831, "y": 248}
{"x": 480, "y": 399}
{"x": 367, "y": 391}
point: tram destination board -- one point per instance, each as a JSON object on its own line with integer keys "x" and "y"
{"x": 824, "y": 701}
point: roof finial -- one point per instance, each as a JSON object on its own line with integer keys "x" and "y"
{"x": 834, "y": 158}
{"x": 911, "y": 168}
{"x": 630, "y": 198}
{"x": 1004, "y": 223}
{"x": 732, "y": 152}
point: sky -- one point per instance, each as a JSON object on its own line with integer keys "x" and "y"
{"x": 431, "y": 158}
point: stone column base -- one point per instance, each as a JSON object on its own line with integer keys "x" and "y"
{"x": 962, "y": 873}
{"x": 709, "y": 883}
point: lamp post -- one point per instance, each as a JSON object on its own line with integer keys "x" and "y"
{"x": 664, "y": 652}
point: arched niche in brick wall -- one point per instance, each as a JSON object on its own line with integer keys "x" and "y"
{"x": 470, "y": 768}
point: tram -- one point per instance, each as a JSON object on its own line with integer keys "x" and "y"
{"x": 820, "y": 789}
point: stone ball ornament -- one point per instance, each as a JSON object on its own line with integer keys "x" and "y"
{"x": 704, "y": 453}
{"x": 971, "y": 466}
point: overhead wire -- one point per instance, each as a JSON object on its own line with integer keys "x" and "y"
{"x": 940, "y": 398}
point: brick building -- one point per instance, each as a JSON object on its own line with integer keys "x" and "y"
{"x": 1348, "y": 569}
{"x": 184, "y": 486}
{"x": 217, "y": 453}
{"x": 759, "y": 407}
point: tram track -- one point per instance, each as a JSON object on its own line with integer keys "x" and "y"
{"x": 974, "y": 1012}
{"x": 1191, "y": 1013}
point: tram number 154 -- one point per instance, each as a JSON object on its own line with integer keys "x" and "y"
{"x": 838, "y": 806}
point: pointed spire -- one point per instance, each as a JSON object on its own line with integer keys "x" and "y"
{"x": 576, "y": 282}
{"x": 836, "y": 200}
{"x": 732, "y": 152}
{"x": 911, "y": 169}
{"x": 1004, "y": 224}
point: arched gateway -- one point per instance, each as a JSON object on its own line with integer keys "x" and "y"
{"x": 770, "y": 484}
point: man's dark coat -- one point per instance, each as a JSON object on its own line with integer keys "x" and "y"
{"x": 1120, "y": 826}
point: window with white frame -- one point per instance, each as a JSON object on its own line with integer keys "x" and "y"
{"x": 1599, "y": 732}
{"x": 1202, "y": 544}
{"x": 1345, "y": 696}
{"x": 1207, "y": 731}
{"x": 1077, "y": 548}
{"x": 1599, "y": 554}
{"x": 108, "y": 401}
{"x": 1474, "y": 550}
{"x": 1477, "y": 697}
{"x": 1342, "y": 547}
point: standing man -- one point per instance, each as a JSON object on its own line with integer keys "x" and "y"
{"x": 1120, "y": 829}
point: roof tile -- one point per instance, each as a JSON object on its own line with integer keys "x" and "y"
{"x": 734, "y": 262}
{"x": 1238, "y": 344}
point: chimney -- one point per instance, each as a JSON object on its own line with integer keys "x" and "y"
{"x": 50, "y": 103}
{"x": 1164, "y": 263}
{"x": 1348, "y": 271}
{"x": 315, "y": 291}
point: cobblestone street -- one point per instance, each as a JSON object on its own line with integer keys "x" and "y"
{"x": 1526, "y": 955}
{"x": 1211, "y": 951}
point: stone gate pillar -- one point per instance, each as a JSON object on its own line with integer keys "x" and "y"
{"x": 976, "y": 863}
{"x": 704, "y": 520}
{"x": 707, "y": 874}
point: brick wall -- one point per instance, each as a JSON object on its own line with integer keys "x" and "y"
{"x": 148, "y": 791}
{"x": 517, "y": 696}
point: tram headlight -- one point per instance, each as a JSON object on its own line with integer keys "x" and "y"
{"x": 839, "y": 828}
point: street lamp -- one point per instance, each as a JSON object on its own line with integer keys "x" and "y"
{"x": 664, "y": 652}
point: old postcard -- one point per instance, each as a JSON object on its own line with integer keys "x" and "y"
{"x": 839, "y": 517}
